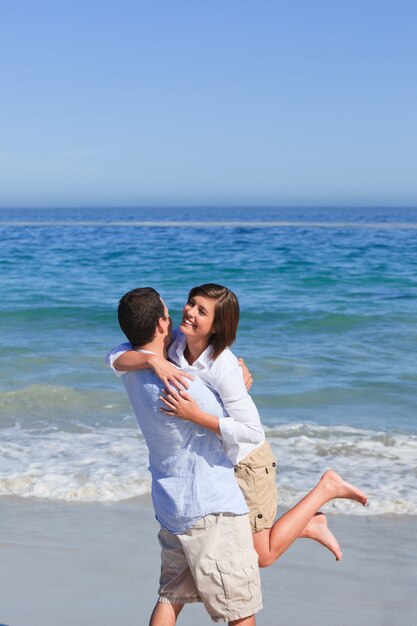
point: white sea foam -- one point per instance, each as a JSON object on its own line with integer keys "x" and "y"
{"x": 105, "y": 464}
{"x": 382, "y": 464}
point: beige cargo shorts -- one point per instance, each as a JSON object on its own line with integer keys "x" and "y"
{"x": 213, "y": 562}
{"x": 256, "y": 476}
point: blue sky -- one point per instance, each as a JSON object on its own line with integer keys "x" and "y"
{"x": 216, "y": 102}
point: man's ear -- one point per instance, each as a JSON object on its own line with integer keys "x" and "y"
{"x": 160, "y": 325}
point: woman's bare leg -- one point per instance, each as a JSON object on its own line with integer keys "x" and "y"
{"x": 318, "y": 530}
{"x": 271, "y": 543}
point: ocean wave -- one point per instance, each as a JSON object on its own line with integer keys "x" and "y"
{"x": 105, "y": 464}
{"x": 90, "y": 466}
{"x": 61, "y": 406}
{"x": 384, "y": 464}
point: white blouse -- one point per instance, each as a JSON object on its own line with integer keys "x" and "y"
{"x": 241, "y": 428}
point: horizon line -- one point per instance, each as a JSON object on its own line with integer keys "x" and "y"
{"x": 212, "y": 224}
{"x": 275, "y": 207}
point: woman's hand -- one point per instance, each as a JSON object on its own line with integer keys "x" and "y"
{"x": 180, "y": 404}
{"x": 247, "y": 376}
{"x": 168, "y": 373}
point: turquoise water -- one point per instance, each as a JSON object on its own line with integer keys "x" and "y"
{"x": 328, "y": 328}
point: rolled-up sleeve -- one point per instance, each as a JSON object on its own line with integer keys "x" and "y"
{"x": 243, "y": 424}
{"x": 114, "y": 354}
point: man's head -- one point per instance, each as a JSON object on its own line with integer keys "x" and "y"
{"x": 142, "y": 314}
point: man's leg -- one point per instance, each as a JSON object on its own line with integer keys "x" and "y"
{"x": 165, "y": 614}
{"x": 224, "y": 565}
{"x": 176, "y": 583}
{"x": 246, "y": 621}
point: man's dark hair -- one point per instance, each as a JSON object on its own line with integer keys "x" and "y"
{"x": 139, "y": 311}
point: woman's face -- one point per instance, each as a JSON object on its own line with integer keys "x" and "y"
{"x": 198, "y": 318}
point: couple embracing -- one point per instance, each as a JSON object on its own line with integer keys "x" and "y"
{"x": 213, "y": 473}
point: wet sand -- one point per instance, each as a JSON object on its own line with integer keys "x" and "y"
{"x": 92, "y": 564}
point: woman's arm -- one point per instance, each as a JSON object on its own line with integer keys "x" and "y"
{"x": 182, "y": 405}
{"x": 243, "y": 424}
{"x": 132, "y": 360}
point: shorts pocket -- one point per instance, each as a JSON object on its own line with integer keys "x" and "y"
{"x": 240, "y": 577}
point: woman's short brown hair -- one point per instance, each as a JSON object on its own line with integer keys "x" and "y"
{"x": 226, "y": 315}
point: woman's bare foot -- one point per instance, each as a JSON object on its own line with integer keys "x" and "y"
{"x": 318, "y": 530}
{"x": 336, "y": 487}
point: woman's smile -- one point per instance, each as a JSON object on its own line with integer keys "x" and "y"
{"x": 198, "y": 317}
{"x": 188, "y": 322}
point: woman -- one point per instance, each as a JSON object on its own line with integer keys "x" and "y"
{"x": 201, "y": 348}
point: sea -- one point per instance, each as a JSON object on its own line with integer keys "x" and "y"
{"x": 328, "y": 329}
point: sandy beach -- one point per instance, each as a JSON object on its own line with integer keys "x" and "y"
{"x": 89, "y": 564}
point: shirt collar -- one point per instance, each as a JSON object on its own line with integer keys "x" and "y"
{"x": 203, "y": 361}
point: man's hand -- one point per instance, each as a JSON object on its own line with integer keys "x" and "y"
{"x": 168, "y": 373}
{"x": 247, "y": 376}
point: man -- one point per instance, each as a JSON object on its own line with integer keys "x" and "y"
{"x": 207, "y": 550}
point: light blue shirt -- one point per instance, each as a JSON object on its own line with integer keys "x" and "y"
{"x": 191, "y": 475}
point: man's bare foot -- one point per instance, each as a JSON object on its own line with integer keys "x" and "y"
{"x": 336, "y": 487}
{"x": 318, "y": 530}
